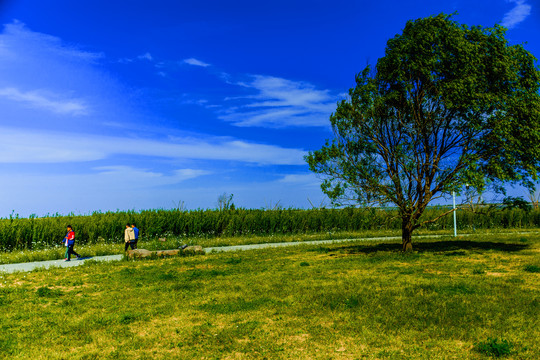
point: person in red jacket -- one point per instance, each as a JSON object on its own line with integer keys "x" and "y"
{"x": 69, "y": 241}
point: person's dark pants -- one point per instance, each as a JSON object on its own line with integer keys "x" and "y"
{"x": 70, "y": 251}
{"x": 130, "y": 244}
{"x": 135, "y": 243}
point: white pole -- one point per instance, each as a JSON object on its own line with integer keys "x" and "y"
{"x": 455, "y": 221}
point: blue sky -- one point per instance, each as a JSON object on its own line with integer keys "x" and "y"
{"x": 119, "y": 105}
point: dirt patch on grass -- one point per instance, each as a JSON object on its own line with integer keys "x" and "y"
{"x": 432, "y": 271}
{"x": 15, "y": 283}
{"x": 297, "y": 338}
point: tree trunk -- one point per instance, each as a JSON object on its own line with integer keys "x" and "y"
{"x": 406, "y": 233}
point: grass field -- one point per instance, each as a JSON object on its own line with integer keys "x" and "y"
{"x": 474, "y": 297}
{"x": 174, "y": 242}
{"x": 106, "y": 247}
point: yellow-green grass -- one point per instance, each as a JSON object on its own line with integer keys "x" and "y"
{"x": 174, "y": 242}
{"x": 104, "y": 247}
{"x": 342, "y": 301}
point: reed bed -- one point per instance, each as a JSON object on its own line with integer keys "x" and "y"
{"x": 37, "y": 233}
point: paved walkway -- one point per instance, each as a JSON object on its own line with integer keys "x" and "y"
{"x": 55, "y": 263}
{"x": 273, "y": 245}
{"x": 63, "y": 264}
{"x": 74, "y": 262}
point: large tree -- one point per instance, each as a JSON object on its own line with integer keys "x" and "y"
{"x": 448, "y": 105}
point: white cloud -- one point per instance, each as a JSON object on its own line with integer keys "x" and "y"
{"x": 133, "y": 178}
{"x": 308, "y": 179}
{"x": 47, "y": 101}
{"x": 101, "y": 188}
{"x": 45, "y": 82}
{"x": 145, "y": 56}
{"x": 125, "y": 187}
{"x": 185, "y": 174}
{"x": 518, "y": 14}
{"x": 195, "y": 62}
{"x": 17, "y": 35}
{"x": 279, "y": 102}
{"x": 20, "y": 146}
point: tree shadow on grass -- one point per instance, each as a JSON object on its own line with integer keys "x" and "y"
{"x": 449, "y": 248}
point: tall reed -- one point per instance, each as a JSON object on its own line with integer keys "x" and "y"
{"x": 107, "y": 227}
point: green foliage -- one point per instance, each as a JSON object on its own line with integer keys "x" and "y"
{"x": 532, "y": 268}
{"x": 104, "y": 230}
{"x": 448, "y": 107}
{"x": 47, "y": 292}
{"x": 478, "y": 271}
{"x": 511, "y": 202}
{"x": 494, "y": 347}
{"x": 234, "y": 261}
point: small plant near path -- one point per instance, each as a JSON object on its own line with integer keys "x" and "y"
{"x": 494, "y": 347}
{"x": 532, "y": 268}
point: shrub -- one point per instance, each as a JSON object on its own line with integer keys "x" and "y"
{"x": 494, "y": 347}
{"x": 47, "y": 292}
{"x": 478, "y": 271}
{"x": 532, "y": 268}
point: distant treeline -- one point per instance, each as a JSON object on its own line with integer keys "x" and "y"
{"x": 42, "y": 232}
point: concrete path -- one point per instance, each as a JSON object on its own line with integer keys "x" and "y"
{"x": 273, "y": 245}
{"x": 55, "y": 263}
{"x": 9, "y": 268}
{"x": 63, "y": 264}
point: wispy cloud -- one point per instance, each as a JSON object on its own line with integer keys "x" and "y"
{"x": 195, "y": 62}
{"x": 47, "y": 45}
{"x": 125, "y": 187}
{"x": 132, "y": 177}
{"x": 279, "y": 102}
{"x": 50, "y": 102}
{"x": 46, "y": 82}
{"x": 145, "y": 56}
{"x": 105, "y": 188}
{"x": 308, "y": 179}
{"x": 518, "y": 14}
{"x": 18, "y": 146}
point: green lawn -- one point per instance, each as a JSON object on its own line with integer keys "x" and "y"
{"x": 103, "y": 247}
{"x": 465, "y": 298}
{"x": 173, "y": 242}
